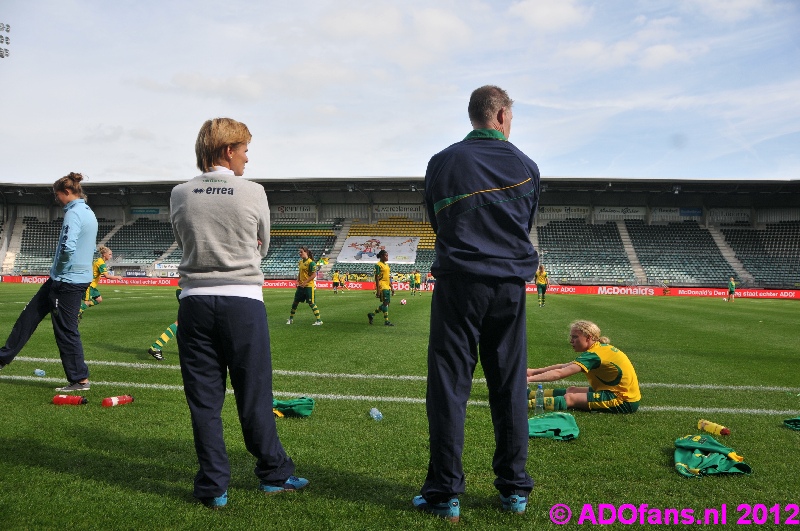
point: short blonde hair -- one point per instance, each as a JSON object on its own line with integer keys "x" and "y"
{"x": 590, "y": 330}
{"x": 215, "y": 136}
{"x": 103, "y": 250}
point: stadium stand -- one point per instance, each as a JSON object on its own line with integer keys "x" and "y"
{"x": 575, "y": 252}
{"x": 287, "y": 237}
{"x": 748, "y": 230}
{"x": 141, "y": 242}
{"x": 39, "y": 238}
{"x": 679, "y": 253}
{"x": 771, "y": 255}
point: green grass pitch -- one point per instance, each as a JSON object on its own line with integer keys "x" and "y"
{"x": 131, "y": 467}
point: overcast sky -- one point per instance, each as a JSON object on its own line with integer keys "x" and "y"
{"x": 666, "y": 89}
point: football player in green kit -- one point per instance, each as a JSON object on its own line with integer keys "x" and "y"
{"x": 306, "y": 282}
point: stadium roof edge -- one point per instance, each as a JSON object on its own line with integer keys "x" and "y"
{"x": 415, "y": 178}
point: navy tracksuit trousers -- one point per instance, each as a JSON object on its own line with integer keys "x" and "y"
{"x": 218, "y": 335}
{"x": 472, "y": 318}
{"x": 62, "y": 301}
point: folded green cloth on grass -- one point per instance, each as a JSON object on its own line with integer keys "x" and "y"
{"x": 793, "y": 424}
{"x": 701, "y": 455}
{"x": 556, "y": 425}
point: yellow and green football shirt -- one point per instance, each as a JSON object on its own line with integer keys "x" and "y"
{"x": 307, "y": 272}
{"x": 383, "y": 276}
{"x": 335, "y": 277}
{"x": 99, "y": 268}
{"x": 416, "y": 278}
{"x": 608, "y": 369}
{"x": 541, "y": 278}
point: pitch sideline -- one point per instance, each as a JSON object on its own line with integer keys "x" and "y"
{"x": 166, "y": 366}
{"x": 395, "y": 399}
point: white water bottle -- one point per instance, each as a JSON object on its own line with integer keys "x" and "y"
{"x": 375, "y": 414}
{"x": 539, "y": 405}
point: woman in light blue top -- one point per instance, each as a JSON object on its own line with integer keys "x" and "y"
{"x": 61, "y": 295}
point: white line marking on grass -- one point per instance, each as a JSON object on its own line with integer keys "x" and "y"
{"x": 96, "y": 383}
{"x": 357, "y": 376}
{"x": 413, "y": 378}
{"x": 394, "y": 399}
{"x": 722, "y": 387}
{"x": 154, "y": 365}
{"x": 720, "y": 410}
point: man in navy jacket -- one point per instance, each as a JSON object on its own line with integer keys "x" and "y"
{"x": 481, "y": 195}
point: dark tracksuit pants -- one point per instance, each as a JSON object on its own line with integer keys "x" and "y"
{"x": 218, "y": 335}
{"x": 471, "y": 317}
{"x": 62, "y": 301}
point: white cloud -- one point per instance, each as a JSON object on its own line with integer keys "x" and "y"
{"x": 596, "y": 54}
{"x": 729, "y": 10}
{"x": 657, "y": 30}
{"x": 242, "y": 87}
{"x": 375, "y": 22}
{"x": 551, "y": 16}
{"x": 661, "y": 55}
{"x": 104, "y": 133}
{"x": 435, "y": 36}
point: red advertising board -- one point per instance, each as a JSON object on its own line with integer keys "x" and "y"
{"x": 641, "y": 291}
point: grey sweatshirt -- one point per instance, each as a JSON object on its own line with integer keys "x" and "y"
{"x": 218, "y": 219}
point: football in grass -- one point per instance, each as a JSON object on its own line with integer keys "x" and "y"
{"x": 403, "y": 302}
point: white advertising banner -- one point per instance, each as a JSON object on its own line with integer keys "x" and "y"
{"x": 729, "y": 215}
{"x": 290, "y": 210}
{"x": 359, "y": 249}
{"x": 563, "y": 212}
{"x": 606, "y": 212}
{"x": 397, "y": 209}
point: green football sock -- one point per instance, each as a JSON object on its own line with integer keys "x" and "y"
{"x": 555, "y": 403}
{"x": 168, "y": 334}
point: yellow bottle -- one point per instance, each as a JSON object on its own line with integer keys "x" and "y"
{"x": 712, "y": 427}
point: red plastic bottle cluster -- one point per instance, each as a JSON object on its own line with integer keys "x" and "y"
{"x": 69, "y": 400}
{"x": 117, "y": 400}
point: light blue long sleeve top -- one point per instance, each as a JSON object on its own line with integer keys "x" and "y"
{"x": 76, "y": 243}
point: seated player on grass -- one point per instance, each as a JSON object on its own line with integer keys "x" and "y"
{"x": 614, "y": 385}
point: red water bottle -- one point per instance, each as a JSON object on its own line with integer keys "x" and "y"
{"x": 69, "y": 400}
{"x": 117, "y": 400}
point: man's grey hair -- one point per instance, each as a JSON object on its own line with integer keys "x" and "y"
{"x": 485, "y": 102}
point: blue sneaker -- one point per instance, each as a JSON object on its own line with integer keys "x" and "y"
{"x": 449, "y": 510}
{"x": 514, "y": 503}
{"x": 216, "y": 503}
{"x": 292, "y": 484}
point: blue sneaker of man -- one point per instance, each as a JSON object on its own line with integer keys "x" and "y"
{"x": 514, "y": 503}
{"x": 216, "y": 503}
{"x": 449, "y": 510}
{"x": 292, "y": 484}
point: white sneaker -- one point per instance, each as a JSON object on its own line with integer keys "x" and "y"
{"x": 316, "y": 323}
{"x": 288, "y": 321}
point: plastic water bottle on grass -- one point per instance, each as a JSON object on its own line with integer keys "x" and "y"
{"x": 375, "y": 414}
{"x": 112, "y": 401}
{"x": 539, "y": 405}
{"x": 69, "y": 400}
{"x": 39, "y": 372}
